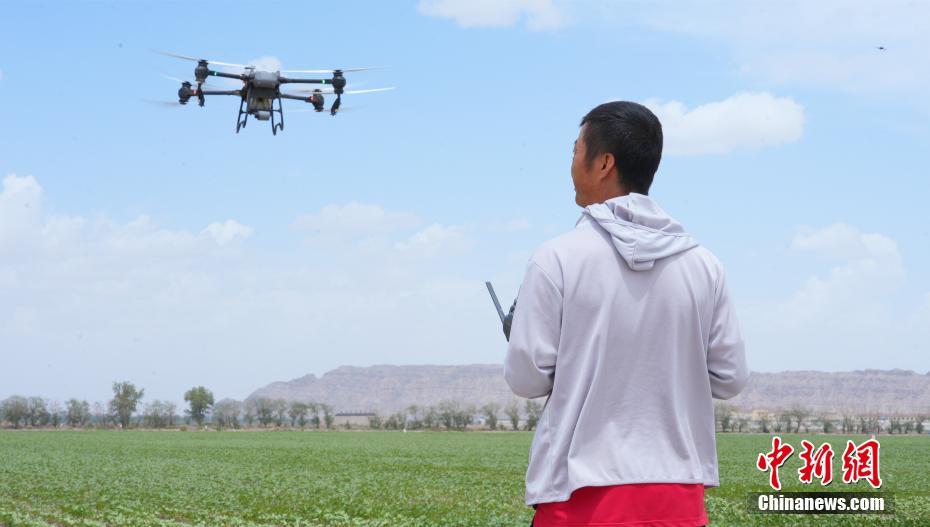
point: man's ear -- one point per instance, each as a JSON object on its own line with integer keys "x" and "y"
{"x": 606, "y": 165}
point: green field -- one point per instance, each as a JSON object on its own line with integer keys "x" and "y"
{"x": 140, "y": 478}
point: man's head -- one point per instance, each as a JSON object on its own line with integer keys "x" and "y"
{"x": 618, "y": 150}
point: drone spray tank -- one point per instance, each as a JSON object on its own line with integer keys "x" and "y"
{"x": 263, "y": 93}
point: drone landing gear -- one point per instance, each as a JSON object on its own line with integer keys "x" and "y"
{"x": 280, "y": 110}
{"x": 263, "y": 115}
{"x": 243, "y": 115}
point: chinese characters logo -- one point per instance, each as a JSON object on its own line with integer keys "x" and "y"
{"x": 859, "y": 462}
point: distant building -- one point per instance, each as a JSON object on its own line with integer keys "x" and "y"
{"x": 354, "y": 419}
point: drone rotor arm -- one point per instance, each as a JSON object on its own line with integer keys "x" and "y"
{"x": 331, "y": 72}
{"x": 237, "y": 76}
{"x": 222, "y": 92}
{"x": 315, "y": 72}
{"x": 295, "y": 97}
{"x": 289, "y": 80}
{"x": 330, "y": 91}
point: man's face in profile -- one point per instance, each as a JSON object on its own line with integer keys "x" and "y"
{"x": 581, "y": 171}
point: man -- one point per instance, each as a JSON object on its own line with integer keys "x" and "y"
{"x": 626, "y": 323}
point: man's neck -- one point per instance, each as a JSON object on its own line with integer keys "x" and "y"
{"x": 610, "y": 194}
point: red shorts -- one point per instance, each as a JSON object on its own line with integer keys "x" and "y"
{"x": 636, "y": 505}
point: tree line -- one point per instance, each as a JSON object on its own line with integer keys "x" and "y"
{"x": 798, "y": 418}
{"x": 126, "y": 409}
{"x": 121, "y": 411}
{"x": 452, "y": 415}
{"x": 267, "y": 412}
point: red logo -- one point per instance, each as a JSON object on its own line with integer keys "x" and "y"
{"x": 861, "y": 462}
{"x": 816, "y": 464}
{"x": 773, "y": 460}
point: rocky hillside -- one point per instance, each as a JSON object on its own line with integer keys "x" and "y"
{"x": 386, "y": 388}
{"x": 886, "y": 391}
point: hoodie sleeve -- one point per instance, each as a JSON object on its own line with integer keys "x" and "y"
{"x": 726, "y": 356}
{"x": 534, "y": 335}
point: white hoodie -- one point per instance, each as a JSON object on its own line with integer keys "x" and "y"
{"x": 627, "y": 324}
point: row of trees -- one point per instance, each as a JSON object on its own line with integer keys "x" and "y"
{"x": 125, "y": 409}
{"x": 799, "y": 418}
{"x": 267, "y": 412}
{"x": 452, "y": 415}
{"x": 35, "y": 411}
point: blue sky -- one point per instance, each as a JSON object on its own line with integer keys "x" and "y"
{"x": 155, "y": 244}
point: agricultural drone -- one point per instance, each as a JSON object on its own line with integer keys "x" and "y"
{"x": 260, "y": 94}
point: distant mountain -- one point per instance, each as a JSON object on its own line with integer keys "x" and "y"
{"x": 886, "y": 391}
{"x": 386, "y": 388}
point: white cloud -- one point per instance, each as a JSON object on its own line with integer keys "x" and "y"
{"x": 921, "y": 317}
{"x": 434, "y": 240}
{"x": 354, "y": 219}
{"x": 228, "y": 231}
{"x": 54, "y": 263}
{"x": 851, "y": 291}
{"x": 513, "y": 225}
{"x": 1, "y": 74}
{"x": 872, "y": 269}
{"x": 539, "y": 14}
{"x": 20, "y": 208}
{"x": 745, "y": 120}
{"x": 826, "y": 43}
{"x": 519, "y": 224}
{"x": 843, "y": 241}
{"x": 847, "y": 317}
{"x": 88, "y": 300}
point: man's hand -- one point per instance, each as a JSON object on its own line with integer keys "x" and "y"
{"x": 508, "y": 320}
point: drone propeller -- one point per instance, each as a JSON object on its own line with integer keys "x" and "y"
{"x": 194, "y": 59}
{"x": 160, "y": 102}
{"x": 175, "y": 79}
{"x": 371, "y": 90}
{"x": 333, "y": 72}
{"x": 334, "y": 109}
{"x": 204, "y": 85}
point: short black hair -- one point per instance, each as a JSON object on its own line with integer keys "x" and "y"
{"x": 630, "y": 132}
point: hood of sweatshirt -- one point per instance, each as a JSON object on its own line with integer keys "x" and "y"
{"x": 641, "y": 231}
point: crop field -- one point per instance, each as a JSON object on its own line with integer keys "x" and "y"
{"x": 179, "y": 479}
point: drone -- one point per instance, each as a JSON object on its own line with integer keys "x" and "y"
{"x": 260, "y": 94}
